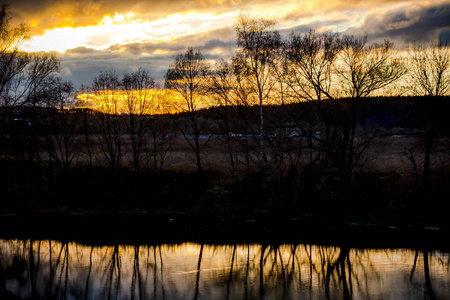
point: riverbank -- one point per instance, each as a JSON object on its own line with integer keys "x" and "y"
{"x": 149, "y": 228}
{"x": 263, "y": 205}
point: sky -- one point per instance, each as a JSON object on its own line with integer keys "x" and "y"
{"x": 124, "y": 35}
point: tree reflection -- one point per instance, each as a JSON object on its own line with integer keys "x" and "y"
{"x": 112, "y": 284}
{"x": 341, "y": 268}
{"x": 136, "y": 275}
{"x": 86, "y": 289}
{"x": 197, "y": 281}
{"x": 161, "y": 267}
{"x": 33, "y": 271}
{"x": 230, "y": 276}
{"x": 247, "y": 272}
{"x": 61, "y": 267}
{"x": 427, "y": 255}
{"x": 54, "y": 270}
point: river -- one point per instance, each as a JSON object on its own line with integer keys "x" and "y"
{"x": 50, "y": 269}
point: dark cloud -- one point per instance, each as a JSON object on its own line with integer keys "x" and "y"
{"x": 217, "y": 43}
{"x": 309, "y": 9}
{"x": 444, "y": 36}
{"x": 298, "y": 29}
{"x": 82, "y": 51}
{"x": 420, "y": 24}
{"x": 88, "y": 53}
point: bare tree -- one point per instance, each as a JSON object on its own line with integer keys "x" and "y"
{"x": 309, "y": 72}
{"x": 362, "y": 70}
{"x": 87, "y": 112}
{"x": 60, "y": 120}
{"x": 13, "y": 61}
{"x": 109, "y": 132}
{"x": 429, "y": 67}
{"x": 233, "y": 98}
{"x": 257, "y": 49}
{"x": 310, "y": 61}
{"x": 223, "y": 90}
{"x": 365, "y": 69}
{"x": 22, "y": 74}
{"x": 429, "y": 116}
{"x": 139, "y": 88}
{"x": 188, "y": 77}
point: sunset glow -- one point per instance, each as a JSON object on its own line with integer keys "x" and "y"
{"x": 124, "y": 29}
{"x": 91, "y": 36}
{"x": 146, "y": 102}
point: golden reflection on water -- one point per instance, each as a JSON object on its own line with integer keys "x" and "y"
{"x": 75, "y": 271}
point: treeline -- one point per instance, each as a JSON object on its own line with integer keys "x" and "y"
{"x": 290, "y": 109}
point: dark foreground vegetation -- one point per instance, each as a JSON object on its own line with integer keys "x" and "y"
{"x": 272, "y": 197}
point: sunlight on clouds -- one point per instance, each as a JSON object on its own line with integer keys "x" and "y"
{"x": 159, "y": 51}
{"x": 33, "y": 23}
{"x": 335, "y": 22}
{"x": 122, "y": 29}
{"x": 116, "y": 19}
{"x": 59, "y": 39}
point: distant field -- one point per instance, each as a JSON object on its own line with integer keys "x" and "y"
{"x": 385, "y": 154}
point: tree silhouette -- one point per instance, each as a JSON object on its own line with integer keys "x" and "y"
{"x": 429, "y": 76}
{"x": 429, "y": 67}
{"x": 255, "y": 57}
{"x": 362, "y": 70}
{"x": 188, "y": 77}
{"x": 109, "y": 132}
{"x": 140, "y": 103}
{"x": 60, "y": 121}
{"x": 22, "y": 74}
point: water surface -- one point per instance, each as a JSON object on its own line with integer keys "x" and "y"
{"x": 47, "y": 269}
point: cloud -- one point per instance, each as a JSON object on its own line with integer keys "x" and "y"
{"x": 65, "y": 72}
{"x": 88, "y": 53}
{"x": 406, "y": 24}
{"x": 85, "y": 63}
{"x": 49, "y": 14}
{"x": 329, "y": 25}
{"x": 221, "y": 39}
{"x": 174, "y": 25}
{"x": 444, "y": 36}
{"x": 82, "y": 51}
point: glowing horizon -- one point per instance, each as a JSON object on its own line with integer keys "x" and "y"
{"x": 148, "y": 102}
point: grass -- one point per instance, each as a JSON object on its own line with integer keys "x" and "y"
{"x": 382, "y": 190}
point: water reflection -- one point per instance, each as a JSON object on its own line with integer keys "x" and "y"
{"x": 55, "y": 270}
